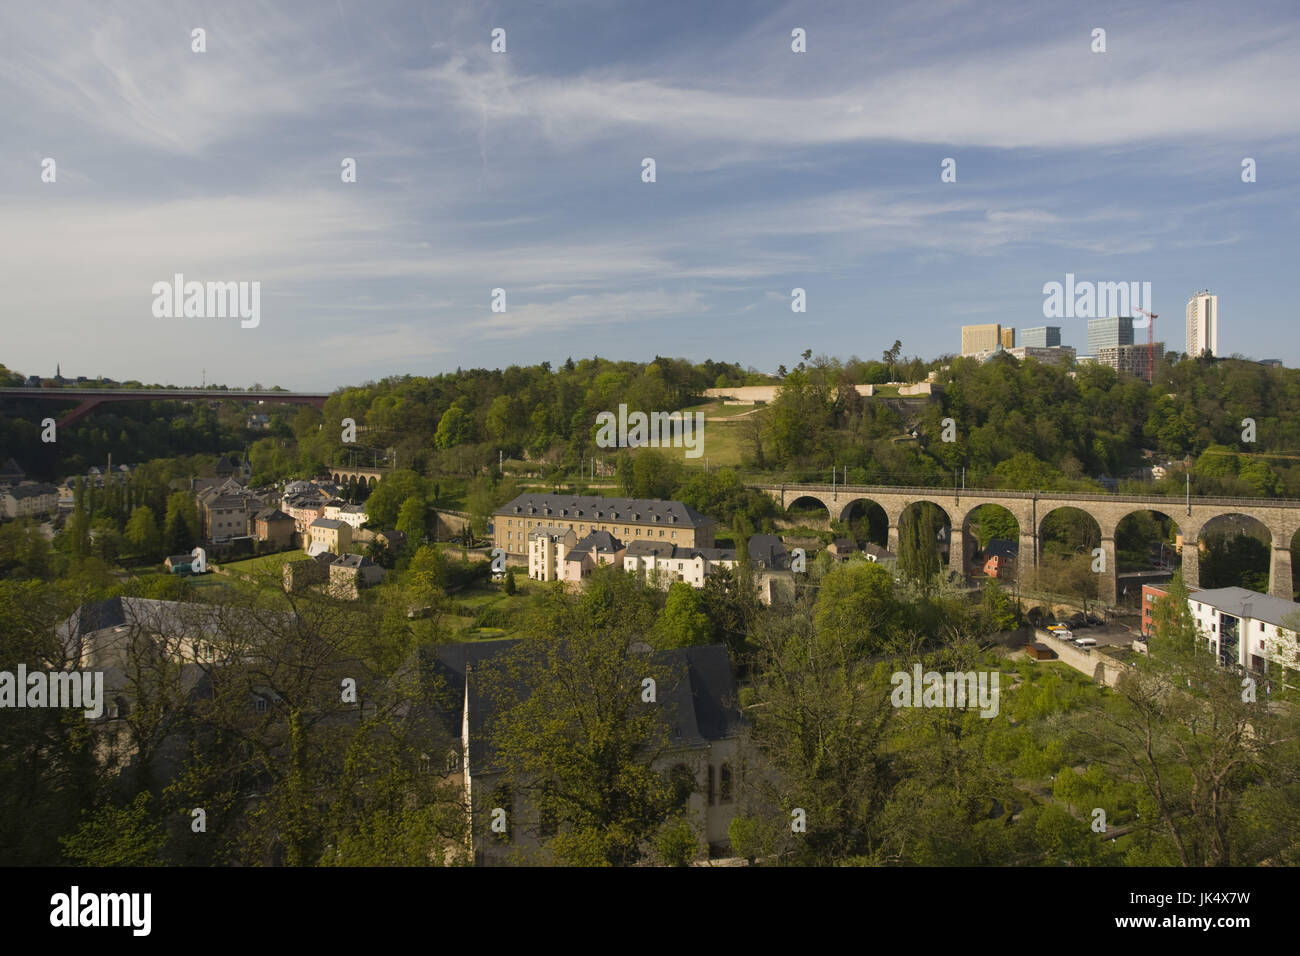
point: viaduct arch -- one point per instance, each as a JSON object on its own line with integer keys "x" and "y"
{"x": 339, "y": 474}
{"x": 1281, "y": 516}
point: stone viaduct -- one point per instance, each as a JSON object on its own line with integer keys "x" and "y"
{"x": 1280, "y": 516}
{"x": 364, "y": 476}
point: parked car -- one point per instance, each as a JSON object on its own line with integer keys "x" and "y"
{"x": 1085, "y": 641}
{"x": 1095, "y": 621}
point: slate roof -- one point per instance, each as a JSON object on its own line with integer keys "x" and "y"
{"x": 768, "y": 551}
{"x": 1002, "y": 548}
{"x": 1263, "y": 607}
{"x": 597, "y": 542}
{"x": 642, "y": 548}
{"x": 326, "y": 523}
{"x": 593, "y": 507}
{"x": 272, "y": 514}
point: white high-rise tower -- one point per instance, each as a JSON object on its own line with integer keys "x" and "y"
{"x": 1202, "y": 324}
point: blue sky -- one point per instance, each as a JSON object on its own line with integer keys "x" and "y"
{"x": 522, "y": 171}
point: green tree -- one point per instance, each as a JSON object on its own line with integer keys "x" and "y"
{"x": 411, "y": 519}
{"x": 118, "y": 836}
{"x": 918, "y": 551}
{"x": 683, "y": 622}
{"x": 580, "y": 742}
{"x": 142, "y": 533}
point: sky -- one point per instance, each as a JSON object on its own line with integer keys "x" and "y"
{"x": 523, "y": 171}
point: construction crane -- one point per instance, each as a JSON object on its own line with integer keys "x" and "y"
{"x": 1151, "y": 334}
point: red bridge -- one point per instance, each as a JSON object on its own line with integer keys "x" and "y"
{"x": 90, "y": 397}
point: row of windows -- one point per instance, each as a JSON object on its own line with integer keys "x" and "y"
{"x": 627, "y": 532}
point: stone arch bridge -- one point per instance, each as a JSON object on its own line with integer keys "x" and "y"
{"x": 1280, "y": 516}
{"x": 339, "y": 474}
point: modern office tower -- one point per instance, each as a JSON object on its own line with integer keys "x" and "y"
{"x": 1042, "y": 337}
{"x": 1203, "y": 324}
{"x": 1109, "y": 333}
{"x": 1008, "y": 338}
{"x": 976, "y": 339}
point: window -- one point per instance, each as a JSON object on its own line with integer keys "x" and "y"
{"x": 725, "y": 795}
{"x": 426, "y": 764}
{"x": 260, "y": 705}
{"x": 713, "y": 796}
{"x": 453, "y": 760}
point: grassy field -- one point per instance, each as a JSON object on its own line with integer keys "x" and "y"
{"x": 262, "y": 563}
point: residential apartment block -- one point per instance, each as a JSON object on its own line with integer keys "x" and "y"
{"x": 629, "y": 519}
{"x": 1255, "y": 631}
{"x": 28, "y": 499}
{"x": 1132, "y": 359}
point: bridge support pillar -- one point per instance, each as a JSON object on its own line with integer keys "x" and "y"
{"x": 1279, "y": 574}
{"x": 1107, "y": 584}
{"x": 957, "y": 552}
{"x": 1191, "y": 564}
{"x": 892, "y": 539}
{"x": 1027, "y": 557}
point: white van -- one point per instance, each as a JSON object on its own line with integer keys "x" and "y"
{"x": 1085, "y": 641}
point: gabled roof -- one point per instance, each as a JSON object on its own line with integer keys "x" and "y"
{"x": 331, "y": 523}
{"x": 768, "y": 551}
{"x": 272, "y": 514}
{"x": 11, "y": 469}
{"x": 597, "y": 542}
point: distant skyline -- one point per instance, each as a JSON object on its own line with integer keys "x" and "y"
{"x": 523, "y": 171}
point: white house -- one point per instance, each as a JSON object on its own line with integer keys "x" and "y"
{"x": 1256, "y": 631}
